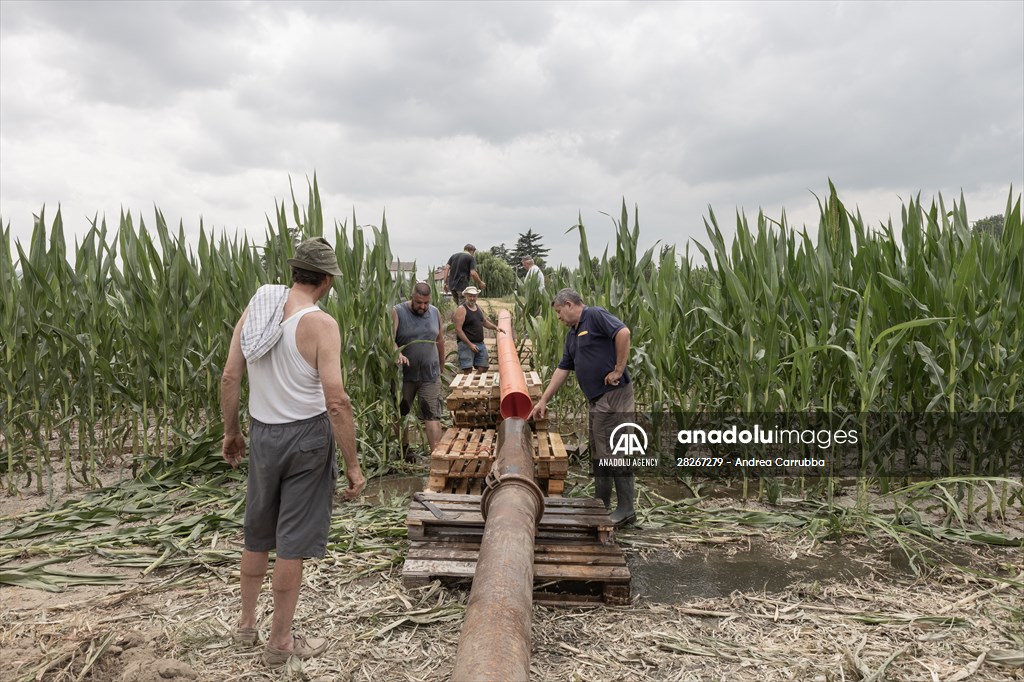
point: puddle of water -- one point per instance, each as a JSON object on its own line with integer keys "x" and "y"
{"x": 394, "y": 487}
{"x": 662, "y": 577}
{"x": 670, "y": 489}
{"x": 676, "y": 489}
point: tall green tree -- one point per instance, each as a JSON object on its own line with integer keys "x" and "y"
{"x": 502, "y": 252}
{"x": 529, "y": 244}
{"x": 992, "y": 224}
{"x": 498, "y": 274}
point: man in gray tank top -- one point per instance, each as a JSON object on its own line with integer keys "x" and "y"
{"x": 298, "y": 407}
{"x": 419, "y": 344}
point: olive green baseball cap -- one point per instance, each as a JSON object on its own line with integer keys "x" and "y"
{"x": 316, "y": 255}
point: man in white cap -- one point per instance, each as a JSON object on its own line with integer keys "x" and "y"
{"x": 291, "y": 351}
{"x": 470, "y": 323}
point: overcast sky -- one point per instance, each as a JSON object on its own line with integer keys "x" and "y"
{"x": 475, "y": 122}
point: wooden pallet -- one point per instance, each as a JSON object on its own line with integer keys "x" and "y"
{"x": 525, "y": 354}
{"x": 463, "y": 458}
{"x": 575, "y": 562}
{"x": 489, "y": 420}
{"x": 440, "y": 516}
{"x": 474, "y": 399}
{"x": 550, "y": 458}
{"x": 481, "y": 392}
{"x": 551, "y": 487}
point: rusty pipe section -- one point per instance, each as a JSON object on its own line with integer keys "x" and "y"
{"x": 515, "y": 398}
{"x": 495, "y": 640}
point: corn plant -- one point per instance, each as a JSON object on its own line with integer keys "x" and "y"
{"x": 123, "y": 348}
{"x": 923, "y": 319}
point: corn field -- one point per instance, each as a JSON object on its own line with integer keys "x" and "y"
{"x": 116, "y": 347}
{"x": 119, "y": 344}
{"x": 925, "y": 318}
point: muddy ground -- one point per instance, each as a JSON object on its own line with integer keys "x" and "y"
{"x": 718, "y": 602}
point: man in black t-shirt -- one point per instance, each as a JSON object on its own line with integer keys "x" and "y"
{"x": 458, "y": 271}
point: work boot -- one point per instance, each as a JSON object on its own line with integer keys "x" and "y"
{"x": 408, "y": 453}
{"x": 603, "y": 490}
{"x": 625, "y": 493}
{"x": 399, "y": 454}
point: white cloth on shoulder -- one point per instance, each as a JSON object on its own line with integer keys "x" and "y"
{"x": 262, "y": 328}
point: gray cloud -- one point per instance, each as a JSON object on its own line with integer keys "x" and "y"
{"x": 491, "y": 118}
{"x": 139, "y": 54}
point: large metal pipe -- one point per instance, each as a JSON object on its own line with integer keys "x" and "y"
{"x": 495, "y": 640}
{"x": 515, "y": 397}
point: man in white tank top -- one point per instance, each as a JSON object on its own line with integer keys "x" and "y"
{"x": 291, "y": 351}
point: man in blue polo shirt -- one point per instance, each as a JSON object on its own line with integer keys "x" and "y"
{"x": 597, "y": 348}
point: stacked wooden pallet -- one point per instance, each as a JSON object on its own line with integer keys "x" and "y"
{"x": 525, "y": 348}
{"x": 575, "y": 560}
{"x": 475, "y": 399}
{"x": 463, "y": 458}
{"x": 551, "y": 462}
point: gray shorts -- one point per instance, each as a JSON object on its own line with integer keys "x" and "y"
{"x": 428, "y": 394}
{"x": 292, "y": 475}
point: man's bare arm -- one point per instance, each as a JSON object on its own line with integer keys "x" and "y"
{"x": 233, "y": 448}
{"x": 440, "y": 340}
{"x": 402, "y": 360}
{"x": 541, "y": 408}
{"x": 339, "y": 407}
{"x": 622, "y": 338}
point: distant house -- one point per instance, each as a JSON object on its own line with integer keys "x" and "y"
{"x": 402, "y": 268}
{"x": 439, "y": 281}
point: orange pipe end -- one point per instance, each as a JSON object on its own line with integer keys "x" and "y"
{"x": 515, "y": 397}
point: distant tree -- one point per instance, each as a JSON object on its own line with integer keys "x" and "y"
{"x": 529, "y": 244}
{"x": 295, "y": 234}
{"x": 992, "y": 224}
{"x": 502, "y": 252}
{"x": 498, "y": 274}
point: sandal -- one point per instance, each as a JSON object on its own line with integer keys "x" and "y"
{"x": 245, "y": 635}
{"x": 302, "y": 648}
